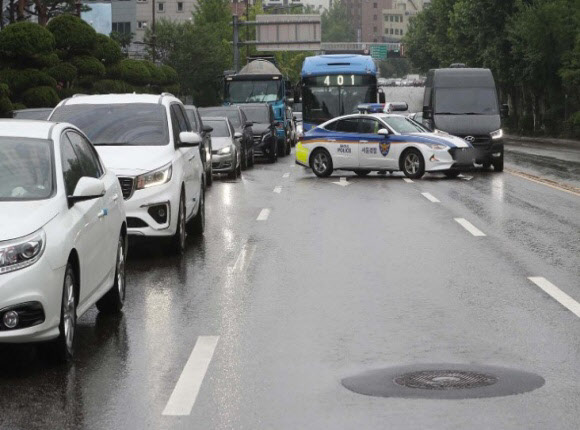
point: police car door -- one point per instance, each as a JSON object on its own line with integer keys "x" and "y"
{"x": 374, "y": 148}
{"x": 343, "y": 143}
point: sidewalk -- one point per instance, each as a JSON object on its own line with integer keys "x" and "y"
{"x": 510, "y": 138}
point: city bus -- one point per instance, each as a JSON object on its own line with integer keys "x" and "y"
{"x": 334, "y": 85}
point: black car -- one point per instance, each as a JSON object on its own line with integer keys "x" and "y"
{"x": 264, "y": 128}
{"x": 241, "y": 125}
{"x": 206, "y": 147}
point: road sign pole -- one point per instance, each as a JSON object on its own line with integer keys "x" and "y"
{"x": 236, "y": 44}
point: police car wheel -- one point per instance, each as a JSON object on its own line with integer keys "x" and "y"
{"x": 321, "y": 163}
{"x": 362, "y": 173}
{"x": 413, "y": 164}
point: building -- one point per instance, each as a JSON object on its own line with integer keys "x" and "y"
{"x": 107, "y": 16}
{"x": 372, "y": 19}
{"x": 396, "y": 19}
{"x": 171, "y": 10}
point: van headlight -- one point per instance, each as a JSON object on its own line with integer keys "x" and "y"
{"x": 498, "y": 134}
{"x": 23, "y": 252}
{"x": 154, "y": 178}
{"x": 225, "y": 151}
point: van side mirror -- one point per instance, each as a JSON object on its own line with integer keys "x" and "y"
{"x": 427, "y": 113}
{"x": 504, "y": 111}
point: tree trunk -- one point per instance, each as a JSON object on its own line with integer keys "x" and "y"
{"x": 42, "y": 12}
{"x": 20, "y": 10}
{"x": 11, "y": 11}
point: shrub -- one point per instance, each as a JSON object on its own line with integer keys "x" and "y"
{"x": 114, "y": 71}
{"x": 25, "y": 40}
{"x": 65, "y": 93}
{"x": 18, "y": 106}
{"x": 110, "y": 86}
{"x": 134, "y": 72}
{"x": 88, "y": 66}
{"x": 107, "y": 50}
{"x": 64, "y": 72}
{"x": 5, "y": 107}
{"x": 40, "y": 97}
{"x": 4, "y": 90}
{"x": 173, "y": 89}
{"x": 171, "y": 76}
{"x": 21, "y": 80}
{"x": 72, "y": 35}
{"x": 157, "y": 74}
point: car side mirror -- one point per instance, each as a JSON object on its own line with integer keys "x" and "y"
{"x": 249, "y": 123}
{"x": 427, "y": 113}
{"x": 87, "y": 189}
{"x": 207, "y": 129}
{"x": 189, "y": 138}
{"x": 383, "y": 132}
{"x": 238, "y": 135}
{"x": 505, "y": 111}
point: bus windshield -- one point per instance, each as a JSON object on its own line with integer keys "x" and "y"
{"x": 253, "y": 91}
{"x": 324, "y": 99}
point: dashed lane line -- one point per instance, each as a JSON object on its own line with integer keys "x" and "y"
{"x": 470, "y": 227}
{"x": 286, "y": 175}
{"x": 430, "y": 197}
{"x": 408, "y": 181}
{"x": 557, "y": 294}
{"x": 187, "y": 388}
{"x": 264, "y": 214}
{"x": 278, "y": 190}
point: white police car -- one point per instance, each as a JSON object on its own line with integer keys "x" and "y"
{"x": 381, "y": 142}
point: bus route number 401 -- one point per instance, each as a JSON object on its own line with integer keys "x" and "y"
{"x": 339, "y": 80}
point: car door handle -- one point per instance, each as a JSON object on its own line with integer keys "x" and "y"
{"x": 192, "y": 157}
{"x": 103, "y": 213}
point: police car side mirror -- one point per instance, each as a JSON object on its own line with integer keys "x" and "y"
{"x": 383, "y": 132}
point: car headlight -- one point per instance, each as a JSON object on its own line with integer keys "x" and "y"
{"x": 23, "y": 252}
{"x": 498, "y": 134}
{"x": 437, "y": 146}
{"x": 225, "y": 150}
{"x": 154, "y": 178}
{"x": 300, "y": 129}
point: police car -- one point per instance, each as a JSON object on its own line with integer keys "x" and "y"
{"x": 382, "y": 142}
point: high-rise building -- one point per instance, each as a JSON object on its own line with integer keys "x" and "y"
{"x": 397, "y": 18}
{"x": 372, "y": 19}
{"x": 171, "y": 10}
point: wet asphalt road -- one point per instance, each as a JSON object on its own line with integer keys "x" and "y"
{"x": 337, "y": 280}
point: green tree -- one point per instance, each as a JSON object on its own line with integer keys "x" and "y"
{"x": 336, "y": 25}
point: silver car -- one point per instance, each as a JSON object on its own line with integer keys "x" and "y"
{"x": 226, "y": 147}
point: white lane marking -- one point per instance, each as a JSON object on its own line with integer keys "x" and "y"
{"x": 466, "y": 178}
{"x": 557, "y": 294}
{"x": 408, "y": 181}
{"x": 187, "y": 388}
{"x": 264, "y": 214}
{"x": 243, "y": 259}
{"x": 342, "y": 182}
{"x": 292, "y": 165}
{"x": 430, "y": 197}
{"x": 286, "y": 175}
{"x": 470, "y": 227}
{"x": 278, "y": 190}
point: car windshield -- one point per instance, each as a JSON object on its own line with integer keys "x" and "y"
{"x": 403, "y": 125}
{"x": 220, "y": 128}
{"x": 26, "y": 169}
{"x": 118, "y": 124}
{"x": 466, "y": 101}
{"x": 258, "y": 114}
{"x": 232, "y": 115}
{"x": 253, "y": 91}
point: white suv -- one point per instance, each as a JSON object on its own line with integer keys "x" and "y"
{"x": 148, "y": 142}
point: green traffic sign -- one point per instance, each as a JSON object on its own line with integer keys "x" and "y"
{"x": 379, "y": 52}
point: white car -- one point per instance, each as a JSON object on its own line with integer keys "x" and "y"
{"x": 148, "y": 142}
{"x": 382, "y": 142}
{"x": 63, "y": 234}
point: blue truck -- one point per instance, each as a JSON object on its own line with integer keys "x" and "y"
{"x": 260, "y": 81}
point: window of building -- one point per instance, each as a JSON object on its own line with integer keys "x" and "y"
{"x": 121, "y": 27}
{"x": 179, "y": 6}
{"x": 374, "y": 5}
{"x": 141, "y": 1}
{"x": 160, "y": 7}
{"x": 141, "y": 25}
{"x": 374, "y": 17}
{"x": 391, "y": 18}
{"x": 391, "y": 31}
{"x": 401, "y": 32}
{"x": 375, "y": 29}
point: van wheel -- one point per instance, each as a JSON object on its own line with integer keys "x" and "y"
{"x": 413, "y": 164}
{"x": 177, "y": 242}
{"x": 62, "y": 347}
{"x": 112, "y": 302}
{"x": 196, "y": 226}
{"x": 321, "y": 163}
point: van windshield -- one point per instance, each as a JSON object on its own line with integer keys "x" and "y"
{"x": 466, "y": 101}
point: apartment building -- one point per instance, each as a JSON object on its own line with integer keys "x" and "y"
{"x": 171, "y": 10}
{"x": 372, "y": 19}
{"x": 397, "y": 18}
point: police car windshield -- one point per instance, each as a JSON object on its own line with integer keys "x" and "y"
{"x": 404, "y": 125}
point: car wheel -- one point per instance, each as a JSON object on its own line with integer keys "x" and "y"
{"x": 281, "y": 148}
{"x": 362, "y": 173}
{"x": 63, "y": 346}
{"x": 321, "y": 163}
{"x": 486, "y": 166}
{"x": 413, "y": 164}
{"x": 177, "y": 243}
{"x": 244, "y": 163}
{"x": 452, "y": 174}
{"x": 251, "y": 159}
{"x": 209, "y": 176}
{"x": 273, "y": 155}
{"x": 196, "y": 226}
{"x": 233, "y": 174}
{"x": 239, "y": 171}
{"x": 498, "y": 164}
{"x": 113, "y": 301}
{"x": 288, "y": 147}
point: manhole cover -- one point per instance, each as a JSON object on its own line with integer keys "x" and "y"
{"x": 443, "y": 381}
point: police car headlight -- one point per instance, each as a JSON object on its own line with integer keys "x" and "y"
{"x": 437, "y": 146}
{"x": 498, "y": 134}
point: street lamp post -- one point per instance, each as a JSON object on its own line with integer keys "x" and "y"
{"x": 153, "y": 49}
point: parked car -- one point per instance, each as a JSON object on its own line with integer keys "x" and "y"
{"x": 149, "y": 143}
{"x": 227, "y": 153}
{"x": 241, "y": 124}
{"x": 205, "y": 148}
{"x": 63, "y": 235}
{"x": 264, "y": 128}
{"x": 38, "y": 113}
